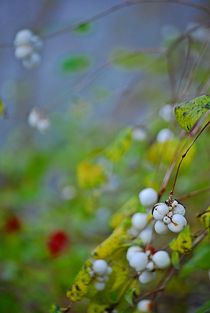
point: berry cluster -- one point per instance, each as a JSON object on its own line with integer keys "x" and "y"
{"x": 169, "y": 216}
{"x": 138, "y": 230}
{"x": 147, "y": 261}
{"x": 27, "y": 46}
{"x": 37, "y": 120}
{"x": 100, "y": 271}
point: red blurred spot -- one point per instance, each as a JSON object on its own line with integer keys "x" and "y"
{"x": 150, "y": 248}
{"x": 13, "y": 224}
{"x": 57, "y": 242}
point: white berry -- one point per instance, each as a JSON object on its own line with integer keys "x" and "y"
{"x": 178, "y": 223}
{"x": 100, "y": 267}
{"x": 161, "y": 228}
{"x": 161, "y": 259}
{"x": 99, "y": 285}
{"x": 146, "y": 236}
{"x": 146, "y": 277}
{"x": 144, "y": 305}
{"x": 166, "y": 220}
{"x": 150, "y": 266}
{"x": 160, "y": 210}
{"x": 138, "y": 261}
{"x": 131, "y": 251}
{"x": 164, "y": 135}
{"x": 148, "y": 196}
{"x": 139, "y": 220}
{"x": 179, "y": 209}
{"x": 23, "y": 37}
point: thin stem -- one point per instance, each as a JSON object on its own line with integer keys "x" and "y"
{"x": 193, "y": 193}
{"x": 184, "y": 155}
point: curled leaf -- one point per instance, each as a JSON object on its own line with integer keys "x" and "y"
{"x": 189, "y": 112}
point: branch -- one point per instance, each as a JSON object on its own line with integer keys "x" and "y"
{"x": 193, "y": 193}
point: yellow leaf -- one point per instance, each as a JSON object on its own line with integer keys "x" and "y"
{"x": 205, "y": 218}
{"x": 127, "y": 209}
{"x": 90, "y": 175}
{"x": 183, "y": 243}
{"x": 81, "y": 284}
{"x": 120, "y": 146}
{"x": 111, "y": 244}
{"x": 165, "y": 152}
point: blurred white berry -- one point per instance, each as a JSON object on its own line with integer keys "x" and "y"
{"x": 23, "y": 37}
{"x": 148, "y": 196}
{"x": 23, "y": 52}
{"x": 133, "y": 232}
{"x": 43, "y": 124}
{"x": 138, "y": 261}
{"x": 161, "y": 259}
{"x": 131, "y": 251}
{"x": 160, "y": 210}
{"x": 146, "y": 236}
{"x": 150, "y": 266}
{"x": 166, "y": 113}
{"x": 139, "y": 220}
{"x": 99, "y": 285}
{"x": 146, "y": 277}
{"x": 33, "y": 117}
{"x": 100, "y": 267}
{"x": 139, "y": 134}
{"x": 32, "y": 61}
{"x": 26, "y": 48}
{"x": 178, "y": 223}
{"x": 161, "y": 228}
{"x": 68, "y": 192}
{"x": 144, "y": 305}
{"x": 164, "y": 134}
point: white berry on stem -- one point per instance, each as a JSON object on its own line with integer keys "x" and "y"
{"x": 161, "y": 259}
{"x": 148, "y": 196}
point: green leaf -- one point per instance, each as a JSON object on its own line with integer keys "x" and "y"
{"x": 75, "y": 63}
{"x": 189, "y": 112}
{"x": 82, "y": 28}
{"x": 120, "y": 146}
{"x": 205, "y": 308}
{"x": 183, "y": 243}
{"x": 2, "y": 108}
{"x": 200, "y": 260}
{"x": 133, "y": 60}
{"x": 175, "y": 259}
{"x": 55, "y": 309}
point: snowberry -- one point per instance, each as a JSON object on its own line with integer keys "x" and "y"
{"x": 148, "y": 196}
{"x": 138, "y": 261}
{"x": 146, "y": 277}
{"x": 164, "y": 134}
{"x": 133, "y": 232}
{"x": 131, "y": 251}
{"x": 23, "y": 37}
{"x": 26, "y": 48}
{"x": 166, "y": 220}
{"x": 139, "y": 134}
{"x": 179, "y": 209}
{"x": 100, "y": 267}
{"x": 99, "y": 285}
{"x": 161, "y": 228}
{"x": 160, "y": 210}
{"x": 178, "y": 223}
{"x": 161, "y": 259}
{"x": 166, "y": 112}
{"x": 139, "y": 220}
{"x": 150, "y": 266}
{"x": 146, "y": 236}
{"x": 144, "y": 305}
